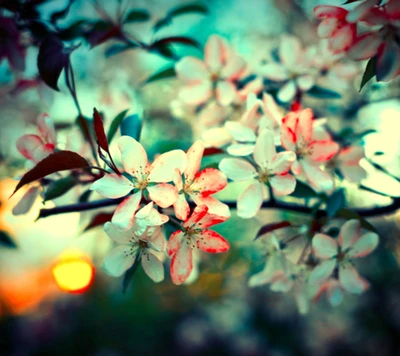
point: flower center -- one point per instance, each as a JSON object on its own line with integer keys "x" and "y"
{"x": 302, "y": 149}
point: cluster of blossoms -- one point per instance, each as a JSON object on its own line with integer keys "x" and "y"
{"x": 328, "y": 267}
{"x": 370, "y": 30}
{"x": 138, "y": 230}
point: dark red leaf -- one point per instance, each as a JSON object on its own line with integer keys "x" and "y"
{"x": 52, "y": 59}
{"x": 209, "y": 151}
{"x": 175, "y": 39}
{"x": 56, "y": 162}
{"x": 99, "y": 130}
{"x": 271, "y": 227}
{"x": 99, "y": 219}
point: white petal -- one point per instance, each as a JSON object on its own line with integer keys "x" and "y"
{"x": 196, "y": 94}
{"x": 225, "y": 92}
{"x": 153, "y": 267}
{"x": 240, "y": 149}
{"x": 237, "y": 169}
{"x": 118, "y": 260}
{"x": 249, "y": 202}
{"x": 349, "y": 233}
{"x": 324, "y": 246}
{"x": 123, "y": 237}
{"x": 282, "y": 162}
{"x": 133, "y": 155}
{"x": 264, "y": 150}
{"x": 163, "y": 194}
{"x": 124, "y": 215}
{"x": 364, "y": 245}
{"x": 287, "y": 92}
{"x": 240, "y": 132}
{"x": 274, "y": 71}
{"x": 112, "y": 186}
{"x": 351, "y": 280}
{"x": 194, "y": 156}
{"x": 26, "y": 202}
{"x": 163, "y": 168}
{"x": 322, "y": 271}
{"x": 191, "y": 69}
{"x": 233, "y": 68}
{"x": 283, "y": 184}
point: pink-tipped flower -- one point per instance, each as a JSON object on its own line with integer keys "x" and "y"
{"x": 215, "y": 77}
{"x": 340, "y": 254}
{"x": 272, "y": 169}
{"x": 297, "y": 134}
{"x": 143, "y": 177}
{"x": 294, "y": 69}
{"x": 37, "y": 147}
{"x": 333, "y": 290}
{"x": 199, "y": 185}
{"x": 195, "y": 234}
{"x": 334, "y": 26}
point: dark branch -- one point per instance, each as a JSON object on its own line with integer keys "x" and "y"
{"x": 274, "y": 204}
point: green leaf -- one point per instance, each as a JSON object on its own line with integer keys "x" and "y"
{"x": 85, "y": 196}
{"x": 370, "y": 72}
{"x": 335, "y": 202}
{"x": 189, "y": 8}
{"x": 323, "y": 93}
{"x": 118, "y": 48}
{"x": 130, "y": 273}
{"x": 59, "y": 187}
{"x": 115, "y": 124}
{"x": 303, "y": 191}
{"x": 165, "y": 73}
{"x": 6, "y": 240}
{"x": 132, "y": 126}
{"x": 56, "y": 162}
{"x": 351, "y": 214}
{"x": 137, "y": 16}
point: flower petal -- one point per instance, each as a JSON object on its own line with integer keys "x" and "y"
{"x": 240, "y": 149}
{"x": 322, "y": 271}
{"x": 27, "y": 144}
{"x": 198, "y": 213}
{"x": 320, "y": 180}
{"x": 290, "y": 50}
{"x": 351, "y": 280}
{"x": 27, "y": 201}
{"x": 237, "y": 169}
{"x": 361, "y": 10}
{"x": 46, "y": 129}
{"x": 174, "y": 242}
{"x": 212, "y": 242}
{"x": 249, "y": 202}
{"x": 163, "y": 194}
{"x": 287, "y": 92}
{"x": 215, "y": 207}
{"x": 124, "y": 215}
{"x": 264, "y": 150}
{"x": 181, "y": 263}
{"x": 327, "y": 27}
{"x": 353, "y": 173}
{"x": 119, "y": 260}
{"x": 343, "y": 39}
{"x": 324, "y": 246}
{"x": 283, "y": 184}
{"x": 123, "y": 237}
{"x": 163, "y": 168}
{"x": 349, "y": 233}
{"x": 191, "y": 70}
{"x": 364, "y": 245}
{"x": 240, "y": 132}
{"x": 133, "y": 156}
{"x": 153, "y": 267}
{"x": 322, "y": 151}
{"x": 282, "y": 162}
{"x": 194, "y": 156}
{"x": 274, "y": 71}
{"x": 365, "y": 46}
{"x": 112, "y": 186}
{"x": 196, "y": 94}
{"x": 181, "y": 207}
{"x": 225, "y": 92}
{"x": 233, "y": 68}
{"x": 305, "y": 82}
{"x": 334, "y": 293}
{"x": 351, "y": 155}
{"x": 323, "y": 11}
{"x": 209, "y": 181}
{"x": 215, "y": 53}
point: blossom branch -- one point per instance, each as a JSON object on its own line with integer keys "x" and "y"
{"x": 271, "y": 204}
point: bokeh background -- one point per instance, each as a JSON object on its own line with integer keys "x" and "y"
{"x": 217, "y": 313}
